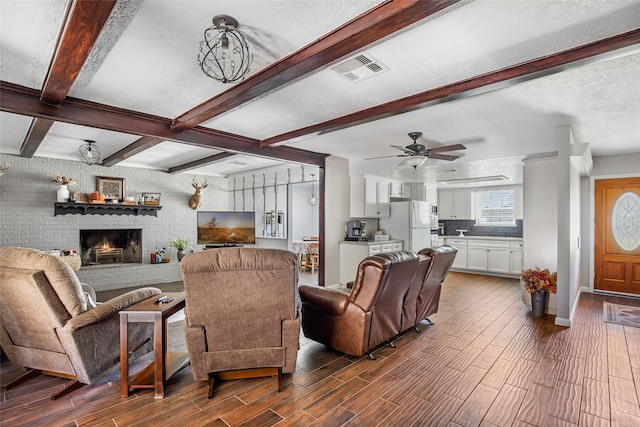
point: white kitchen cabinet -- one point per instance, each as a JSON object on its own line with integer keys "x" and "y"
{"x": 477, "y": 258}
{"x": 500, "y": 256}
{"x": 489, "y": 255}
{"x": 498, "y": 260}
{"x": 351, "y": 253}
{"x": 460, "y": 261}
{"x": 374, "y": 249}
{"x": 376, "y": 199}
{"x": 516, "y": 257}
{"x": 455, "y": 204}
{"x": 369, "y": 198}
{"x": 400, "y": 189}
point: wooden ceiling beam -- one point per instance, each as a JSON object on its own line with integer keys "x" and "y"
{"x": 484, "y": 83}
{"x": 365, "y": 29}
{"x": 82, "y": 26}
{"x": 25, "y": 101}
{"x": 201, "y": 162}
{"x": 131, "y": 150}
{"x": 37, "y": 131}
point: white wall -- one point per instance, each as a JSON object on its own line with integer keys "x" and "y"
{"x": 568, "y": 211}
{"x": 540, "y": 225}
{"x": 337, "y": 199}
{"x": 305, "y": 221}
{"x": 274, "y": 188}
{"x": 27, "y": 218}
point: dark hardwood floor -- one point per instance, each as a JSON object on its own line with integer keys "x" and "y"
{"x": 486, "y": 362}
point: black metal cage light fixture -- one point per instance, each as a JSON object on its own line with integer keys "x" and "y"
{"x": 224, "y": 52}
{"x": 90, "y": 153}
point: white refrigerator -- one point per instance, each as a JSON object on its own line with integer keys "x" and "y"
{"x": 414, "y": 222}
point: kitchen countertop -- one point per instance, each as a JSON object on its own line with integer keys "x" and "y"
{"x": 481, "y": 237}
{"x": 370, "y": 242}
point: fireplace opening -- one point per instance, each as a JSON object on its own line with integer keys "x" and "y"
{"x": 100, "y": 247}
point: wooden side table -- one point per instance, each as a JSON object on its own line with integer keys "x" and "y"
{"x": 165, "y": 364}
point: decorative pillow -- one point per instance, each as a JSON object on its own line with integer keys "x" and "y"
{"x": 90, "y": 302}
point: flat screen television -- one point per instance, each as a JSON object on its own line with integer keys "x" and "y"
{"x": 226, "y": 228}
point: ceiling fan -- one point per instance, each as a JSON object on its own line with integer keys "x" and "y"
{"x": 417, "y": 153}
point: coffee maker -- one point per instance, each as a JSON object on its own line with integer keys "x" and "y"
{"x": 356, "y": 231}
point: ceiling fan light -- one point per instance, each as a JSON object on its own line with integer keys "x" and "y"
{"x": 413, "y": 161}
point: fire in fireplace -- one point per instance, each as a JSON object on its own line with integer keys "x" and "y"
{"x": 99, "y": 247}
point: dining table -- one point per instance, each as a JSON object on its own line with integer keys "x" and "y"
{"x": 302, "y": 247}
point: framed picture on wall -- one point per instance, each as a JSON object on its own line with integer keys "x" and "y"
{"x": 112, "y": 188}
{"x": 151, "y": 199}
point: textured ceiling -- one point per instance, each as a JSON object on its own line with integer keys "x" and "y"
{"x": 145, "y": 60}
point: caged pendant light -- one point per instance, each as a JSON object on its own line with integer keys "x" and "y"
{"x": 90, "y": 153}
{"x": 224, "y": 52}
{"x": 312, "y": 200}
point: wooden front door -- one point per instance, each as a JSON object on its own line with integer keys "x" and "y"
{"x": 617, "y": 235}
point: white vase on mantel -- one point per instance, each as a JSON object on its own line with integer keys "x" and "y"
{"x": 63, "y": 194}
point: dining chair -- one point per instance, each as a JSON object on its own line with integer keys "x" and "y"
{"x": 312, "y": 258}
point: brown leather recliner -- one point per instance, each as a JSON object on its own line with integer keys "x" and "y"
{"x": 442, "y": 258}
{"x": 242, "y": 312}
{"x": 410, "y": 307}
{"x": 370, "y": 315}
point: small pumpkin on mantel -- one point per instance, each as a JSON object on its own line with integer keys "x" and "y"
{"x": 96, "y": 196}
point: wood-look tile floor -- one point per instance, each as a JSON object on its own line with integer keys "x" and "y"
{"x": 486, "y": 362}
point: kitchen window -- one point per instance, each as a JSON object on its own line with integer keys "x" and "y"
{"x": 495, "y": 208}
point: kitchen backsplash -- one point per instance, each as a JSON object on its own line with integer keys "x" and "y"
{"x": 451, "y": 225}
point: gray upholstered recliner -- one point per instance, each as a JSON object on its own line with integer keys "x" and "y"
{"x": 47, "y": 325}
{"x": 242, "y": 312}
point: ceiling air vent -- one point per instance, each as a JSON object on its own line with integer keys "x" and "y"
{"x": 359, "y": 67}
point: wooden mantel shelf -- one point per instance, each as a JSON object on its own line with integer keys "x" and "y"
{"x": 105, "y": 209}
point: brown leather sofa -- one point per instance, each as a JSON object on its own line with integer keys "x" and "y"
{"x": 392, "y": 293}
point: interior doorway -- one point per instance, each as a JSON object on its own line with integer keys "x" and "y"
{"x": 617, "y": 235}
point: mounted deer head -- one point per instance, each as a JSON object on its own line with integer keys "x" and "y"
{"x": 196, "y": 199}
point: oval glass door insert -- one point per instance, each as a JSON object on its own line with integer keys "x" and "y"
{"x": 625, "y": 221}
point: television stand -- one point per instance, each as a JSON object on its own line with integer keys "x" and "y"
{"x": 222, "y": 245}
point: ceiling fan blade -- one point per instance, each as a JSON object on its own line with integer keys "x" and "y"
{"x": 453, "y": 147}
{"x": 405, "y": 149}
{"x": 384, "y": 157}
{"x": 443, "y": 156}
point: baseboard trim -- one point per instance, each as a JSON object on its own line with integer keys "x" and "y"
{"x": 560, "y": 321}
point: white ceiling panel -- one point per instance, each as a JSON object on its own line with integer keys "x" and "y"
{"x": 146, "y": 60}
{"x": 13, "y": 129}
{"x": 168, "y": 154}
{"x": 63, "y": 141}
{"x": 29, "y": 31}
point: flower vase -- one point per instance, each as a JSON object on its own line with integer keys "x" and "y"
{"x": 538, "y": 303}
{"x": 181, "y": 254}
{"x": 63, "y": 194}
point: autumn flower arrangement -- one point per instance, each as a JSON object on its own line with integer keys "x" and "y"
{"x": 63, "y": 180}
{"x": 537, "y": 280}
